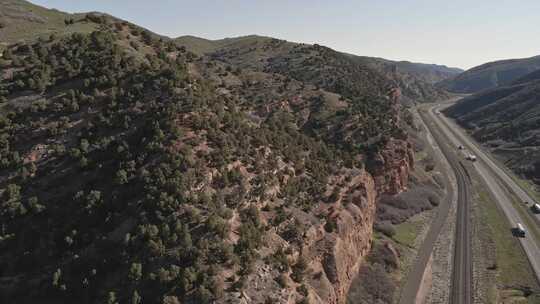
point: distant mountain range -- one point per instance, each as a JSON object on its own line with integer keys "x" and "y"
{"x": 507, "y": 120}
{"x": 491, "y": 75}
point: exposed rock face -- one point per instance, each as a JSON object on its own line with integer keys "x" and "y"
{"x": 236, "y": 177}
{"x": 336, "y": 255}
{"x": 343, "y": 250}
{"x": 396, "y": 161}
{"x": 334, "y": 252}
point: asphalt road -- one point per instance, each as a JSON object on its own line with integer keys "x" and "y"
{"x": 498, "y": 169}
{"x": 496, "y": 181}
{"x": 449, "y": 136}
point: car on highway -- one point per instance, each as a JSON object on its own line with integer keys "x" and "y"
{"x": 461, "y": 147}
{"x": 519, "y": 231}
{"x": 536, "y": 208}
{"x": 471, "y": 157}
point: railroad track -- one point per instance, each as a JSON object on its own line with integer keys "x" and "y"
{"x": 413, "y": 282}
{"x": 462, "y": 272}
{"x": 461, "y": 285}
{"x": 501, "y": 186}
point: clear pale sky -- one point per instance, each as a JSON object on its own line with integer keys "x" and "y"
{"x": 456, "y": 33}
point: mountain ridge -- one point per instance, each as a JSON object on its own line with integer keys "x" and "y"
{"x": 507, "y": 120}
{"x": 409, "y": 66}
{"x": 415, "y": 80}
{"x": 490, "y": 75}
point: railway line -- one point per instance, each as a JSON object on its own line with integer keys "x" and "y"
{"x": 461, "y": 285}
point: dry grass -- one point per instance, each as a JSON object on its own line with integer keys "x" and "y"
{"x": 397, "y": 209}
{"x": 514, "y": 273}
{"x": 23, "y": 20}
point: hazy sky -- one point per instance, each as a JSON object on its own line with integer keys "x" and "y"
{"x": 461, "y": 33}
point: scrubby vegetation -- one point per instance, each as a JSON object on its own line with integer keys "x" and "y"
{"x": 132, "y": 170}
{"x": 22, "y": 20}
{"x": 396, "y": 209}
{"x": 507, "y": 120}
{"x": 375, "y": 282}
{"x": 415, "y": 80}
{"x": 490, "y": 75}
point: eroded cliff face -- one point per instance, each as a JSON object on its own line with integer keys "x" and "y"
{"x": 393, "y": 164}
{"x": 338, "y": 234}
{"x": 335, "y": 256}
{"x": 354, "y": 212}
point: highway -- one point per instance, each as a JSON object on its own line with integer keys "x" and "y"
{"x": 495, "y": 179}
{"x": 498, "y": 169}
{"x": 449, "y": 136}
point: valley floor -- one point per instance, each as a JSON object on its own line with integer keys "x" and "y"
{"x": 502, "y": 272}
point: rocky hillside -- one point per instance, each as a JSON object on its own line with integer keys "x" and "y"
{"x": 491, "y": 75}
{"x": 430, "y": 73}
{"x": 416, "y": 80}
{"x": 507, "y": 120}
{"x": 132, "y": 170}
{"x": 264, "y": 53}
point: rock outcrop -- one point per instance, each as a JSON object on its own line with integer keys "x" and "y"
{"x": 393, "y": 164}
{"x": 335, "y": 246}
{"x": 344, "y": 250}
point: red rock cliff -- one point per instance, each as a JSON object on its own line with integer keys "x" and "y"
{"x": 335, "y": 257}
{"x": 339, "y": 233}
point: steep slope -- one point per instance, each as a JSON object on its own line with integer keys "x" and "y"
{"x": 260, "y": 53}
{"x": 20, "y": 20}
{"x": 202, "y": 46}
{"x": 132, "y": 170}
{"x": 490, "y": 75}
{"x": 430, "y": 73}
{"x": 507, "y": 119}
{"x": 415, "y": 80}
